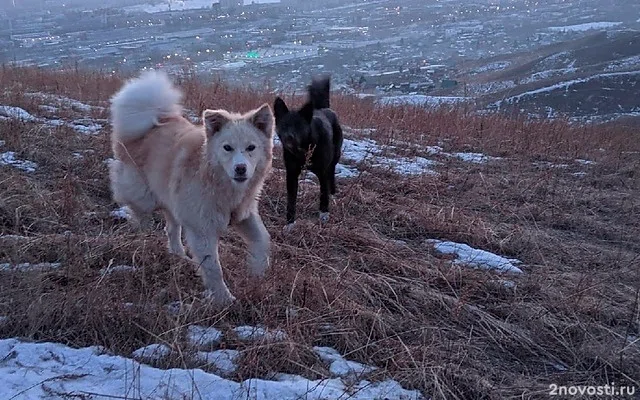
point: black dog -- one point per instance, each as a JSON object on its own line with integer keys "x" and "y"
{"x": 311, "y": 137}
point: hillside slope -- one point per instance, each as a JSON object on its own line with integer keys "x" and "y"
{"x": 467, "y": 257}
{"x": 589, "y": 79}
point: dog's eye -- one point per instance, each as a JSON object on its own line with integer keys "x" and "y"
{"x": 251, "y": 148}
{"x": 227, "y": 147}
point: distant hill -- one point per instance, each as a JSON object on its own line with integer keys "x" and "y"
{"x": 593, "y": 78}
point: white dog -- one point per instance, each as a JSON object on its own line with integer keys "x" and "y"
{"x": 203, "y": 178}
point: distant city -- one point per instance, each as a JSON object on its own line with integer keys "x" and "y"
{"x": 371, "y": 47}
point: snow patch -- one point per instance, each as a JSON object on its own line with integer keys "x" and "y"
{"x": 153, "y": 352}
{"x": 63, "y": 101}
{"x": 82, "y": 125}
{"x": 475, "y": 158}
{"x": 584, "y": 27}
{"x": 42, "y": 370}
{"x": 122, "y": 213}
{"x": 628, "y": 62}
{"x": 338, "y": 366}
{"x": 420, "y": 100}
{"x": 117, "y": 268}
{"x": 562, "y": 85}
{"x": 224, "y": 361}
{"x": 547, "y": 164}
{"x": 16, "y": 113}
{"x": 253, "y": 333}
{"x": 494, "y": 66}
{"x": 467, "y": 255}
{"x": 369, "y": 150}
{"x": 28, "y": 267}
{"x": 201, "y": 336}
{"x": 346, "y": 171}
{"x": 9, "y": 158}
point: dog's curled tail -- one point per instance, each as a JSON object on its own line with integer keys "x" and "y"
{"x": 140, "y": 104}
{"x": 320, "y": 91}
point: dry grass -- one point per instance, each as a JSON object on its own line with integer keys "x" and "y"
{"x": 365, "y": 283}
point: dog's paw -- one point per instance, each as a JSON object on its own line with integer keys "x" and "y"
{"x": 288, "y": 228}
{"x": 221, "y": 298}
{"x": 324, "y": 217}
{"x": 178, "y": 251}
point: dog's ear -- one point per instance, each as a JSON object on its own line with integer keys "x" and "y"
{"x": 262, "y": 119}
{"x": 280, "y": 108}
{"x": 306, "y": 112}
{"x": 214, "y": 121}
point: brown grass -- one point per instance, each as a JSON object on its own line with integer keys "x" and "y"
{"x": 365, "y": 284}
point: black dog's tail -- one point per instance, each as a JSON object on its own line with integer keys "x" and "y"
{"x": 319, "y": 92}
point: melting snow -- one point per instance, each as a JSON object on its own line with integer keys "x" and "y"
{"x": 624, "y": 63}
{"x": 82, "y": 125}
{"x": 64, "y": 101}
{"x": 338, "y": 366}
{"x": 122, "y": 213}
{"x": 549, "y": 164}
{"x": 152, "y": 352}
{"x": 562, "y": 85}
{"x": 224, "y": 361}
{"x": 369, "y": 150}
{"x": 249, "y": 333}
{"x": 584, "y": 27}
{"x": 345, "y": 171}
{"x": 46, "y": 370}
{"x": 117, "y": 268}
{"x": 420, "y": 100}
{"x": 200, "y": 336}
{"x": 476, "y": 158}
{"x": 27, "y": 267}
{"x": 467, "y": 255}
{"x": 16, "y": 113}
{"x": 9, "y": 158}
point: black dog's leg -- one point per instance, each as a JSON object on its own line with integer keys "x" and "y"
{"x": 337, "y": 151}
{"x": 332, "y": 179}
{"x": 324, "y": 196}
{"x": 293, "y": 172}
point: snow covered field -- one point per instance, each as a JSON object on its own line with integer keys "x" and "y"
{"x": 421, "y": 100}
{"x": 55, "y": 371}
{"x": 584, "y": 27}
{"x": 562, "y": 86}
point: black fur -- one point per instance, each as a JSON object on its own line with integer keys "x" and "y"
{"x": 314, "y": 127}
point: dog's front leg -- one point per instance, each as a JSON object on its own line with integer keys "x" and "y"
{"x": 258, "y": 241}
{"x": 205, "y": 252}
{"x": 324, "y": 197}
{"x": 292, "y": 192}
{"x": 174, "y": 234}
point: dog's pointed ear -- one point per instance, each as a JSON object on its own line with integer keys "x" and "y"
{"x": 306, "y": 112}
{"x": 214, "y": 121}
{"x": 262, "y": 118}
{"x": 280, "y": 108}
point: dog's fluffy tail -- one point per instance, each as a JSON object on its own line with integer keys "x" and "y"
{"x": 141, "y": 103}
{"x": 319, "y": 92}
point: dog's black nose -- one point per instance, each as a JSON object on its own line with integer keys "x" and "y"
{"x": 241, "y": 169}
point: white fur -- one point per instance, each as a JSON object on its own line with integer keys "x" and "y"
{"x": 188, "y": 172}
{"x": 139, "y": 105}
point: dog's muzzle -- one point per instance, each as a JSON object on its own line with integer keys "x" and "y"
{"x": 240, "y": 173}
